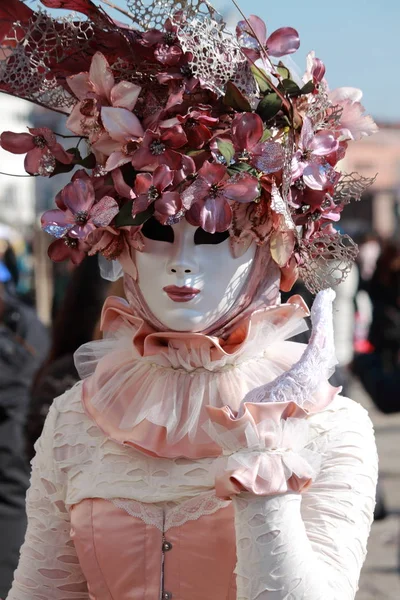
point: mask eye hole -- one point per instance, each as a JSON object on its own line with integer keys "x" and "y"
{"x": 153, "y": 230}
{"x": 203, "y": 237}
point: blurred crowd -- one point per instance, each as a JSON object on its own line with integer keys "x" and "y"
{"x": 36, "y": 363}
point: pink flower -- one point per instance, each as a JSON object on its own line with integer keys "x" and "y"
{"x": 67, "y": 248}
{"x": 312, "y": 195}
{"x": 95, "y": 89}
{"x": 160, "y": 149}
{"x": 80, "y": 214}
{"x": 124, "y": 131}
{"x": 247, "y": 131}
{"x": 253, "y": 33}
{"x": 180, "y": 74}
{"x": 151, "y": 188}
{"x": 315, "y": 69}
{"x": 354, "y": 123}
{"x": 196, "y": 125}
{"x": 167, "y": 50}
{"x": 41, "y": 147}
{"x": 312, "y": 147}
{"x": 207, "y": 198}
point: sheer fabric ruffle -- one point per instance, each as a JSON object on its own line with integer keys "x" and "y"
{"x": 150, "y": 389}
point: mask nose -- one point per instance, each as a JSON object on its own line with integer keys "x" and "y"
{"x": 181, "y": 268}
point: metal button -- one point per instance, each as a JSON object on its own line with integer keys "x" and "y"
{"x": 166, "y": 596}
{"x": 166, "y": 546}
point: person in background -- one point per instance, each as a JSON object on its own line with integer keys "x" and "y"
{"x": 23, "y": 345}
{"x": 74, "y": 325}
{"x": 379, "y": 371}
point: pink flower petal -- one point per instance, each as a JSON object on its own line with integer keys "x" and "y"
{"x": 101, "y": 75}
{"x": 212, "y": 173}
{"x": 242, "y": 188}
{"x": 78, "y": 195}
{"x": 163, "y": 177}
{"x": 143, "y": 182}
{"x": 61, "y": 155}
{"x": 140, "y": 203}
{"x": 297, "y": 165}
{"x": 174, "y": 136}
{"x": 341, "y": 94}
{"x": 103, "y": 212}
{"x": 17, "y": 143}
{"x": 257, "y": 28}
{"x": 75, "y": 120}
{"x": 268, "y": 157}
{"x": 247, "y": 129}
{"x": 33, "y": 160}
{"x": 121, "y": 124}
{"x": 323, "y": 143}
{"x": 167, "y": 206}
{"x": 283, "y": 41}
{"x": 125, "y": 95}
{"x": 314, "y": 176}
{"x": 197, "y": 191}
{"x": 106, "y": 145}
{"x": 122, "y": 188}
{"x": 80, "y": 85}
{"x": 59, "y": 251}
{"x": 307, "y": 133}
{"x": 57, "y": 222}
{"x": 117, "y": 159}
{"x": 215, "y": 214}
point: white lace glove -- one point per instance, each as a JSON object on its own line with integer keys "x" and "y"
{"x": 311, "y": 546}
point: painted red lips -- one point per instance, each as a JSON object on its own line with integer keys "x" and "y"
{"x": 181, "y": 294}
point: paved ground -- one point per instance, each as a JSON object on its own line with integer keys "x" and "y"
{"x": 380, "y": 577}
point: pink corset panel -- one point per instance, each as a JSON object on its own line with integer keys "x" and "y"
{"x": 124, "y": 558}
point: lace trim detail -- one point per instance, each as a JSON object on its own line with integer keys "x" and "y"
{"x": 148, "y": 513}
{"x": 165, "y": 517}
{"x": 193, "y": 509}
{"x": 315, "y": 366}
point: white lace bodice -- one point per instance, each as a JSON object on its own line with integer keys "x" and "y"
{"x": 307, "y": 547}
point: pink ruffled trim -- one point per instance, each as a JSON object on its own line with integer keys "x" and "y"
{"x": 140, "y": 344}
{"x": 265, "y": 449}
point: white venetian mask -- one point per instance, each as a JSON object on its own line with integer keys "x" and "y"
{"x": 189, "y": 278}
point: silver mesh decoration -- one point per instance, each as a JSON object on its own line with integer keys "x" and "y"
{"x": 326, "y": 260}
{"x": 25, "y": 56}
{"x": 217, "y": 57}
{"x": 351, "y": 186}
{"x": 148, "y": 15}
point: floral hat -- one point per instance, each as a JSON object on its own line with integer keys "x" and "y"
{"x": 173, "y": 116}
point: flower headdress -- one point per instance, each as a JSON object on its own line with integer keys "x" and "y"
{"x": 184, "y": 119}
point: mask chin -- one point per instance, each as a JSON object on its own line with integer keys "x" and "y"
{"x": 189, "y": 282}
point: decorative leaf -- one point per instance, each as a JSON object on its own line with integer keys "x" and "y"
{"x": 266, "y": 135}
{"x": 62, "y": 168}
{"x": 89, "y": 162}
{"x": 269, "y": 106}
{"x": 261, "y": 78}
{"x": 308, "y": 87}
{"x": 290, "y": 87}
{"x": 226, "y": 149}
{"x": 282, "y": 246}
{"x": 235, "y": 99}
{"x": 124, "y": 217}
{"x": 241, "y": 167}
{"x": 283, "y": 71}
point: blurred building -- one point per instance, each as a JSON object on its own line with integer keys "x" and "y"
{"x": 379, "y": 209}
{"x": 17, "y": 194}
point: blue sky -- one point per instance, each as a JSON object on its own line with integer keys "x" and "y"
{"x": 356, "y": 39}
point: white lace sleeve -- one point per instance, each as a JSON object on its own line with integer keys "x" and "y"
{"x": 311, "y": 546}
{"x": 48, "y": 566}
